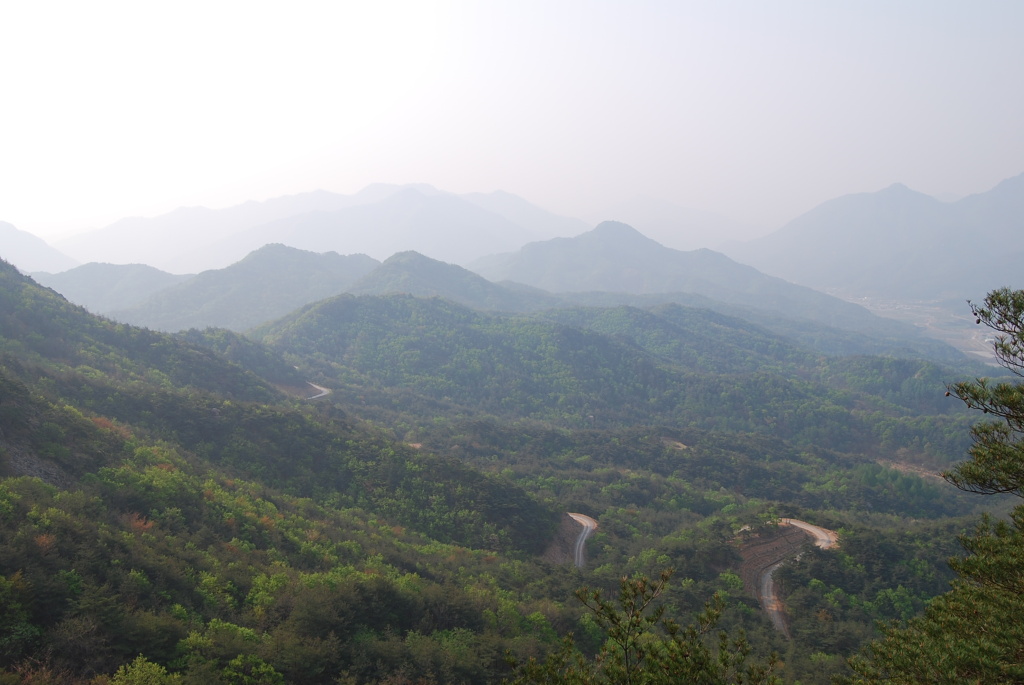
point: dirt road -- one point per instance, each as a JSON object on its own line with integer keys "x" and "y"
{"x": 324, "y": 392}
{"x": 823, "y": 537}
{"x": 763, "y": 555}
{"x": 589, "y": 526}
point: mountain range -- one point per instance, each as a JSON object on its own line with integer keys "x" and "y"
{"x": 616, "y": 258}
{"x": 672, "y": 225}
{"x": 611, "y": 265}
{"x": 31, "y": 253}
{"x": 378, "y": 221}
{"x": 900, "y": 244}
{"x": 267, "y": 284}
{"x": 368, "y": 478}
{"x": 441, "y": 225}
{"x": 104, "y": 288}
{"x": 902, "y": 253}
{"x": 184, "y": 507}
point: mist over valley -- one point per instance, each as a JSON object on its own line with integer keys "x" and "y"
{"x": 407, "y": 343}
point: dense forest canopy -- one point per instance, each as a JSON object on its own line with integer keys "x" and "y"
{"x": 173, "y": 508}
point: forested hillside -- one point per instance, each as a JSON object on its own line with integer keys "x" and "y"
{"x": 608, "y": 266}
{"x": 268, "y": 283}
{"x": 585, "y": 368}
{"x": 175, "y": 506}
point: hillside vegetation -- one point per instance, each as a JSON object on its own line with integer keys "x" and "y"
{"x": 173, "y": 506}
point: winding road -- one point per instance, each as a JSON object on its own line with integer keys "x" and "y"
{"x": 589, "y": 526}
{"x": 770, "y": 602}
{"x": 823, "y": 537}
{"x": 323, "y": 392}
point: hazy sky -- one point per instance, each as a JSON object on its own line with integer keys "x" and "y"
{"x": 757, "y": 110}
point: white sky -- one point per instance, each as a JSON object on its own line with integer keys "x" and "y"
{"x": 757, "y": 110}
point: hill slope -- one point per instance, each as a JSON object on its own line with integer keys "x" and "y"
{"x": 30, "y": 253}
{"x": 614, "y": 257}
{"x": 104, "y": 288}
{"x": 413, "y": 274}
{"x": 179, "y": 390}
{"x": 267, "y": 284}
{"x": 618, "y": 366}
{"x": 276, "y": 279}
{"x": 159, "y": 500}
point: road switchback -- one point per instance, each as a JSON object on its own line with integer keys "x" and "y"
{"x": 589, "y": 526}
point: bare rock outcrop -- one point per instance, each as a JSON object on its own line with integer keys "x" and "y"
{"x": 24, "y": 462}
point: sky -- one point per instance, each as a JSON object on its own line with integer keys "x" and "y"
{"x": 754, "y": 110}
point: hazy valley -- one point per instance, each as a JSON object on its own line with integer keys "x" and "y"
{"x": 481, "y": 367}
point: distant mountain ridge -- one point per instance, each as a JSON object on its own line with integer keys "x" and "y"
{"x": 900, "y": 244}
{"x": 276, "y": 279}
{"x": 30, "y": 253}
{"x": 414, "y": 274}
{"x": 267, "y": 284}
{"x": 439, "y": 225}
{"x": 615, "y": 257}
{"x": 518, "y": 210}
{"x": 896, "y": 243}
{"x": 612, "y": 257}
{"x": 379, "y": 220}
{"x": 103, "y": 288}
{"x": 180, "y": 241}
{"x": 674, "y": 226}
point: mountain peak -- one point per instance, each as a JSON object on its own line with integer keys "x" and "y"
{"x": 617, "y": 229}
{"x": 898, "y": 192}
{"x": 410, "y": 257}
{"x": 896, "y": 188}
{"x": 415, "y": 274}
{"x": 618, "y": 236}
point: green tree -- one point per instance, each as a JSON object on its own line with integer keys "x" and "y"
{"x": 973, "y": 633}
{"x": 17, "y": 632}
{"x": 643, "y": 646}
{"x": 246, "y": 669}
{"x": 143, "y": 672}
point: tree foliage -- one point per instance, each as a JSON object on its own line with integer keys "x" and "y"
{"x": 162, "y": 500}
{"x": 973, "y": 633}
{"x": 643, "y": 646}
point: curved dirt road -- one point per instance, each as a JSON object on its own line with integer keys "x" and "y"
{"x": 770, "y": 602}
{"x": 589, "y": 526}
{"x": 324, "y": 392}
{"x": 823, "y": 537}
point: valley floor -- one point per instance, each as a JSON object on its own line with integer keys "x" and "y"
{"x": 938, "y": 320}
